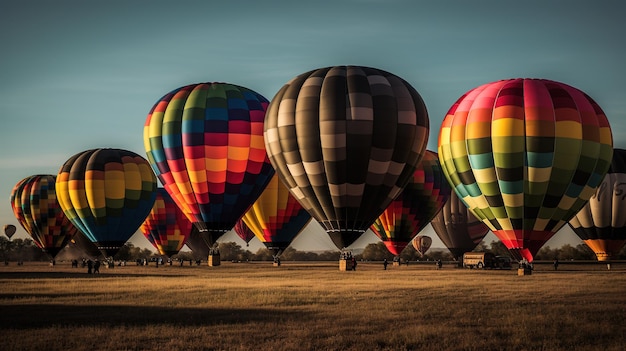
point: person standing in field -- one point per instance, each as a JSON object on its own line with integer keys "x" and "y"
{"x": 96, "y": 267}
{"x": 385, "y": 263}
{"x": 556, "y": 264}
{"x": 89, "y": 266}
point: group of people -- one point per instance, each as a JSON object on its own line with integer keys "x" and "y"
{"x": 93, "y": 267}
{"x": 351, "y": 260}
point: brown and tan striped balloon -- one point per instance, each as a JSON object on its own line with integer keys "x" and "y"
{"x": 346, "y": 140}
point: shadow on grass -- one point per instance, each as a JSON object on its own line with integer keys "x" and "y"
{"x": 81, "y": 274}
{"x": 47, "y": 315}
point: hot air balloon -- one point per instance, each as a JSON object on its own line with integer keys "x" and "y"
{"x": 346, "y": 140}
{"x": 166, "y": 227}
{"x": 416, "y": 205}
{"x": 421, "y": 243}
{"x": 34, "y": 203}
{"x": 9, "y": 230}
{"x": 197, "y": 244}
{"x": 87, "y": 249}
{"x": 601, "y": 224}
{"x": 456, "y": 226}
{"x": 525, "y": 155}
{"x": 107, "y": 194}
{"x": 205, "y": 143}
{"x": 276, "y": 217}
{"x": 243, "y": 231}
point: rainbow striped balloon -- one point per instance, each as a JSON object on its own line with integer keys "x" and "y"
{"x": 525, "y": 155}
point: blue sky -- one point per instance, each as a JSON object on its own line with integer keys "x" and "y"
{"x": 76, "y": 75}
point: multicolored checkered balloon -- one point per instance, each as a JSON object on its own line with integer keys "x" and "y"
{"x": 34, "y": 203}
{"x": 346, "y": 140}
{"x": 107, "y": 194}
{"x": 525, "y": 155}
{"x": 276, "y": 217}
{"x": 416, "y": 205}
{"x": 205, "y": 143}
{"x": 166, "y": 227}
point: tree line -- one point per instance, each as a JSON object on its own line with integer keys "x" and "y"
{"x": 27, "y": 250}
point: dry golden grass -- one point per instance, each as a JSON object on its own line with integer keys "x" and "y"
{"x": 311, "y": 306}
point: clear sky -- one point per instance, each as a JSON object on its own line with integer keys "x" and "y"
{"x": 78, "y": 74}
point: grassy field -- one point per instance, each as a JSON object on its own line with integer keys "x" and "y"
{"x": 311, "y": 306}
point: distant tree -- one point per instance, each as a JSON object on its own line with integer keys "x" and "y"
{"x": 376, "y": 252}
{"x": 183, "y": 255}
{"x": 497, "y": 248}
{"x": 231, "y": 251}
{"x": 434, "y": 255}
{"x": 481, "y": 247}
{"x": 262, "y": 254}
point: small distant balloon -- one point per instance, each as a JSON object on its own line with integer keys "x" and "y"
{"x": 421, "y": 244}
{"x": 243, "y": 231}
{"x": 9, "y": 230}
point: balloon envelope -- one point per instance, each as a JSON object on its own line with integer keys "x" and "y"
{"x": 456, "y": 226}
{"x": 107, "y": 194}
{"x": 35, "y": 205}
{"x": 276, "y": 217}
{"x": 243, "y": 231}
{"x": 416, "y": 205}
{"x": 346, "y": 140}
{"x": 166, "y": 227}
{"x": 205, "y": 143}
{"x": 85, "y": 246}
{"x": 601, "y": 224}
{"x": 197, "y": 244}
{"x": 421, "y": 244}
{"x": 525, "y": 155}
{"x": 9, "y": 230}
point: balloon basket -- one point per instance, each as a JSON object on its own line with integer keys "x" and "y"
{"x": 345, "y": 265}
{"x": 214, "y": 260}
{"x": 396, "y": 264}
{"x": 524, "y": 271}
